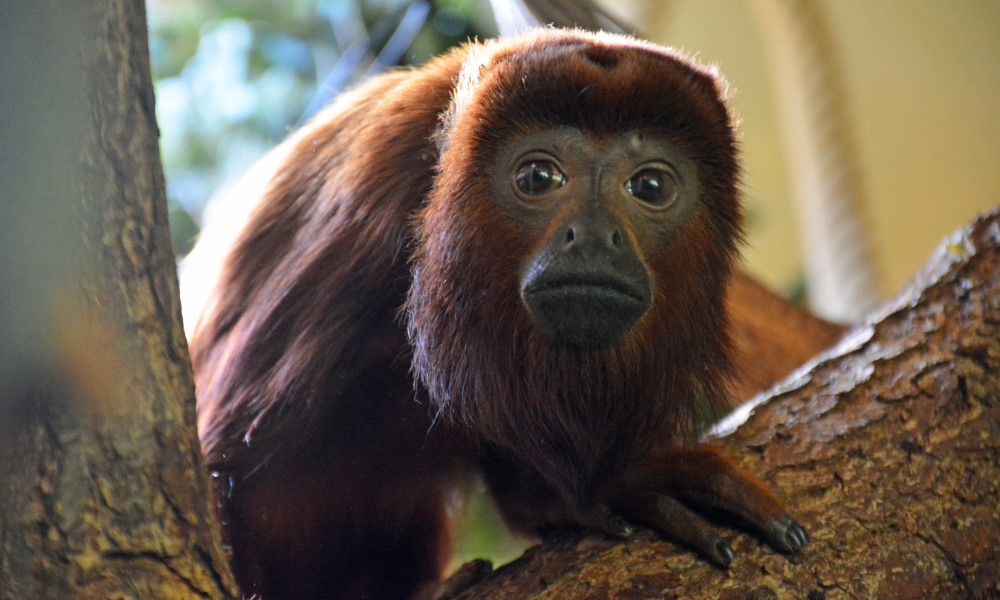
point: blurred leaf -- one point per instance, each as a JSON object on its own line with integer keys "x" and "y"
{"x": 183, "y": 231}
{"x": 234, "y": 76}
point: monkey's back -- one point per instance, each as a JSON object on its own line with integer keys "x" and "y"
{"x": 305, "y": 403}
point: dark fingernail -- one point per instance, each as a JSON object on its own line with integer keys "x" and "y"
{"x": 723, "y": 553}
{"x": 797, "y": 536}
{"x": 619, "y": 527}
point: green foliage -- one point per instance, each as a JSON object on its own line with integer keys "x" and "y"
{"x": 233, "y": 77}
{"x": 480, "y": 533}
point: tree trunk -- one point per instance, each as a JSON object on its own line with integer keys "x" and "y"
{"x": 886, "y": 447}
{"x": 103, "y": 492}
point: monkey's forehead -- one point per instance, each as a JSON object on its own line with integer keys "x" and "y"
{"x": 600, "y": 83}
{"x": 602, "y": 48}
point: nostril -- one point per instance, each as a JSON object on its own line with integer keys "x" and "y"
{"x": 616, "y": 238}
{"x": 570, "y": 235}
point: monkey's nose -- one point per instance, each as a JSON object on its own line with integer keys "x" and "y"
{"x": 599, "y": 234}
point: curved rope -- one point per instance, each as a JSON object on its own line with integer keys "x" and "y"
{"x": 822, "y": 158}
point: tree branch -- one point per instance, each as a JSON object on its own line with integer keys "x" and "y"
{"x": 886, "y": 447}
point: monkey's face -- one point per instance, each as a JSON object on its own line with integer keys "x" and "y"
{"x": 570, "y": 260}
{"x": 593, "y": 209}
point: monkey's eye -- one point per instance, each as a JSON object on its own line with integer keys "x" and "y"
{"x": 653, "y": 186}
{"x": 537, "y": 177}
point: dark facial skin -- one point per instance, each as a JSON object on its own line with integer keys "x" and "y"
{"x": 599, "y": 205}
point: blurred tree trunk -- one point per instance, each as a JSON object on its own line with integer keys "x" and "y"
{"x": 102, "y": 492}
{"x": 886, "y": 447}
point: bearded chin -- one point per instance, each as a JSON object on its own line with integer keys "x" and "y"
{"x": 573, "y": 415}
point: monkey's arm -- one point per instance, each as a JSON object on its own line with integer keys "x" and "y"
{"x": 667, "y": 492}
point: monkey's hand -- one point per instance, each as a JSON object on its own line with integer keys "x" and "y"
{"x": 701, "y": 477}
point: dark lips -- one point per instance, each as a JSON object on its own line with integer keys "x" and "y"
{"x": 586, "y": 284}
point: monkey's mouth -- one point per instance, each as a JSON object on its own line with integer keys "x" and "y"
{"x": 586, "y": 309}
{"x": 588, "y": 284}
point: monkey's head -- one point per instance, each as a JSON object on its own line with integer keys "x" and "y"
{"x": 581, "y": 229}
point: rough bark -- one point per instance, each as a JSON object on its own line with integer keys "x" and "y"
{"x": 103, "y": 492}
{"x": 886, "y": 447}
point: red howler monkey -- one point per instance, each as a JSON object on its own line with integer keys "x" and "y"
{"x": 511, "y": 260}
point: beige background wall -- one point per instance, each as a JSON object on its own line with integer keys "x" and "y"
{"x": 922, "y": 86}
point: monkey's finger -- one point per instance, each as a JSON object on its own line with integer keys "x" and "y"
{"x": 603, "y": 519}
{"x": 673, "y": 519}
{"x": 785, "y": 534}
{"x": 736, "y": 492}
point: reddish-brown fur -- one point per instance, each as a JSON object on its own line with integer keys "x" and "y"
{"x": 366, "y": 349}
